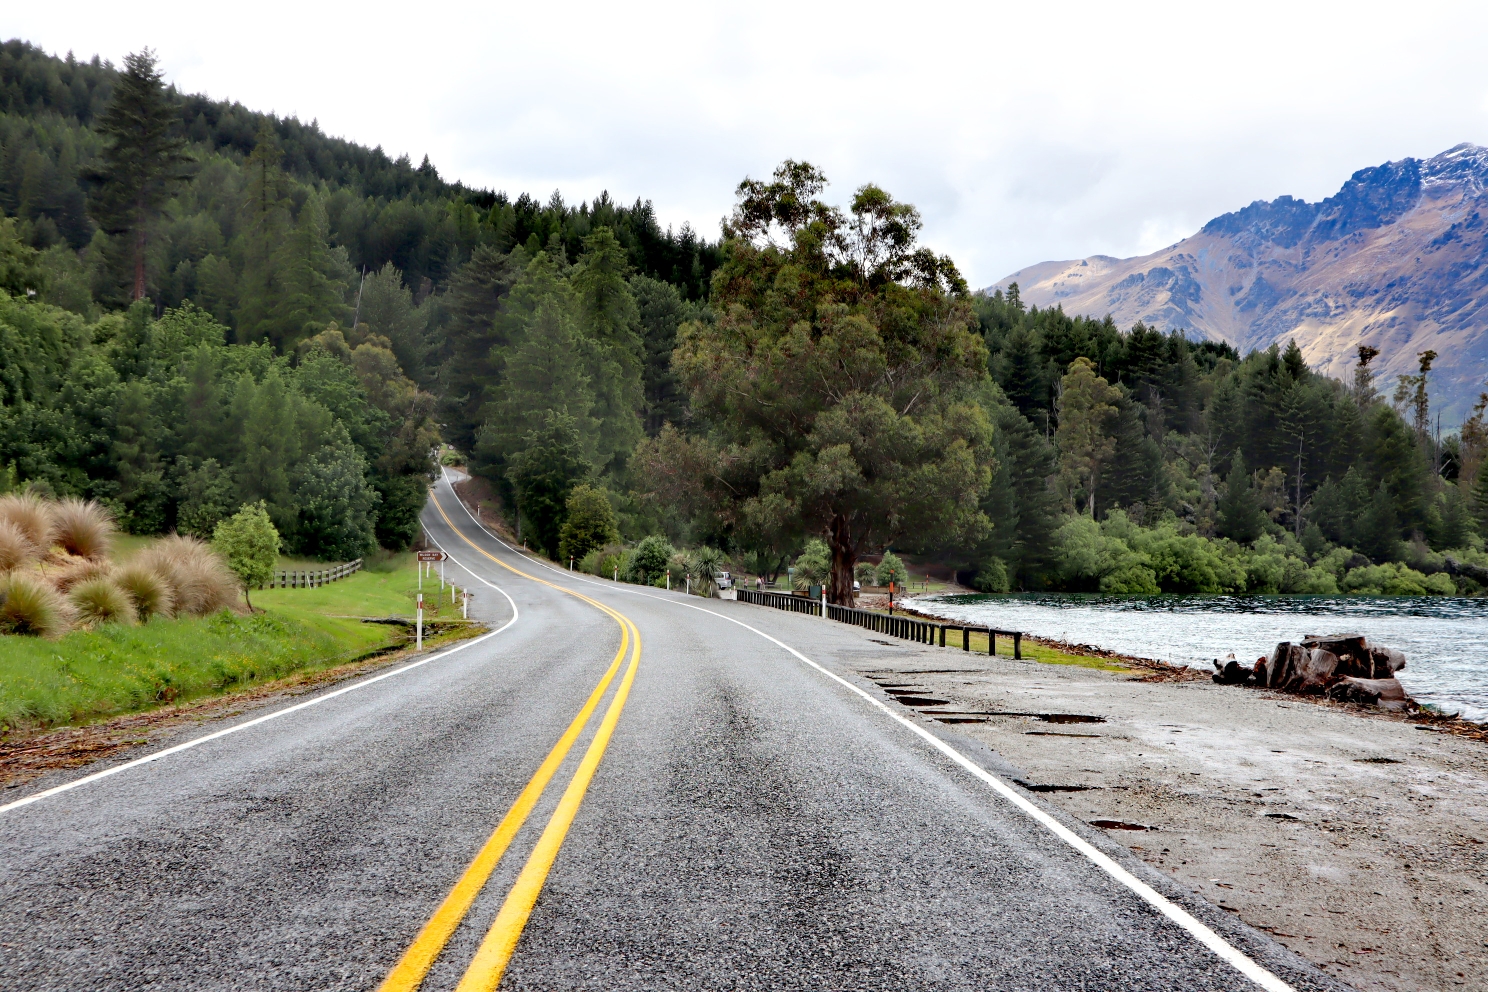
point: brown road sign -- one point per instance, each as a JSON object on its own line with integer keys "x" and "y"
{"x": 431, "y": 556}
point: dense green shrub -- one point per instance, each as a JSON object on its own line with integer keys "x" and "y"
{"x": 647, "y": 562}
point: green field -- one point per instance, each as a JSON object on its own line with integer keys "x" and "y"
{"x": 88, "y": 675}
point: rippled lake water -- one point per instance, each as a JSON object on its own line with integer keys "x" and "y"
{"x": 1445, "y": 640}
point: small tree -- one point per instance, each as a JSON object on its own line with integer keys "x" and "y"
{"x": 249, "y": 543}
{"x": 891, "y": 569}
{"x": 590, "y": 523}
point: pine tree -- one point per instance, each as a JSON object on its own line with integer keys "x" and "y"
{"x": 472, "y": 342}
{"x": 1479, "y": 499}
{"x": 1020, "y": 373}
{"x": 144, "y": 159}
{"x": 1240, "y": 516}
{"x": 1378, "y": 532}
{"x": 264, "y": 220}
{"x": 307, "y": 277}
{"x": 662, "y": 310}
{"x": 543, "y": 473}
{"x": 1456, "y": 525}
{"x": 387, "y": 308}
{"x": 607, "y": 314}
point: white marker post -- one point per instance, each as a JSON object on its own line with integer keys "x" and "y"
{"x": 824, "y": 602}
{"x": 420, "y": 643}
{"x": 465, "y": 605}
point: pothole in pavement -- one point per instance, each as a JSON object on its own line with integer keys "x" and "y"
{"x": 1283, "y": 816}
{"x": 1042, "y": 787}
{"x": 1060, "y": 733}
{"x": 1045, "y": 717}
{"x": 1380, "y": 761}
{"x": 1119, "y": 825}
{"x": 909, "y": 700}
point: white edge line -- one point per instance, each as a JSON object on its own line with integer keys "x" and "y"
{"x": 1222, "y": 948}
{"x": 186, "y": 745}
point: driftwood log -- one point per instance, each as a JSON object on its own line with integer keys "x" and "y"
{"x": 1345, "y": 667}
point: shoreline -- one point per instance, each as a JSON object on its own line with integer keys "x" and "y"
{"x": 1353, "y": 837}
{"x": 1429, "y": 712}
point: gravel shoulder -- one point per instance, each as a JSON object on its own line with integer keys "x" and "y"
{"x": 1357, "y": 840}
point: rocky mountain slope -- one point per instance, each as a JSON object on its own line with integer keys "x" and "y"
{"x": 1397, "y": 259}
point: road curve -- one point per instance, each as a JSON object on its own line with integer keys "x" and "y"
{"x": 731, "y": 812}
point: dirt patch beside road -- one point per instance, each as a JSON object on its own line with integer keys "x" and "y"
{"x": 1357, "y": 840}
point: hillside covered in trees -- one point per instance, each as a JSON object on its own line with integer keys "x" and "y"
{"x": 206, "y": 306}
{"x": 209, "y": 305}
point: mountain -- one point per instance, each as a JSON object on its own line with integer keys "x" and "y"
{"x": 1396, "y": 259}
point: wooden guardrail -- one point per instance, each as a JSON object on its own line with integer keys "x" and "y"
{"x": 288, "y": 578}
{"x": 909, "y": 628}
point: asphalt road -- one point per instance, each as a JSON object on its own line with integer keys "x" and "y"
{"x": 755, "y": 821}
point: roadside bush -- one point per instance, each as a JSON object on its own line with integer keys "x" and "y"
{"x": 83, "y": 528}
{"x": 891, "y": 569}
{"x": 99, "y": 600}
{"x": 16, "y": 548}
{"x": 702, "y": 565}
{"x": 30, "y": 606}
{"x": 147, "y": 590}
{"x": 865, "y": 573}
{"x": 31, "y": 515}
{"x": 647, "y": 562}
{"x": 590, "y": 523}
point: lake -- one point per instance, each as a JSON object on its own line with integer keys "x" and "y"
{"x": 1445, "y": 640}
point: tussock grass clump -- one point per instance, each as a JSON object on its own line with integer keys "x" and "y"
{"x": 32, "y": 515}
{"x": 77, "y": 570}
{"x": 150, "y": 593}
{"x": 199, "y": 582}
{"x": 30, "y": 606}
{"x": 16, "y": 548}
{"x": 99, "y": 600}
{"x": 83, "y": 528}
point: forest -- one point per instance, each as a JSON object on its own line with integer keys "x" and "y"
{"x": 205, "y": 307}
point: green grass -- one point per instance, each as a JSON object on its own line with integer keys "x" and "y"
{"x": 116, "y": 669}
{"x": 1031, "y": 652}
{"x": 388, "y": 587}
{"x": 88, "y": 675}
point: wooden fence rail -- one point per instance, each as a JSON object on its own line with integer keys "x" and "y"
{"x": 287, "y": 578}
{"x": 909, "y": 628}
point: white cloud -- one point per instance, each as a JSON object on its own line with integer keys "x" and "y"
{"x": 1023, "y": 132}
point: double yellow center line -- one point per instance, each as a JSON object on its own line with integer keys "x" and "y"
{"x": 490, "y": 961}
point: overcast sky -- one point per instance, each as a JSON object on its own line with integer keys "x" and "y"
{"x": 1023, "y": 132}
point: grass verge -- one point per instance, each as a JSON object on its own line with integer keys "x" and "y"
{"x": 113, "y": 670}
{"x": 1033, "y": 650}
